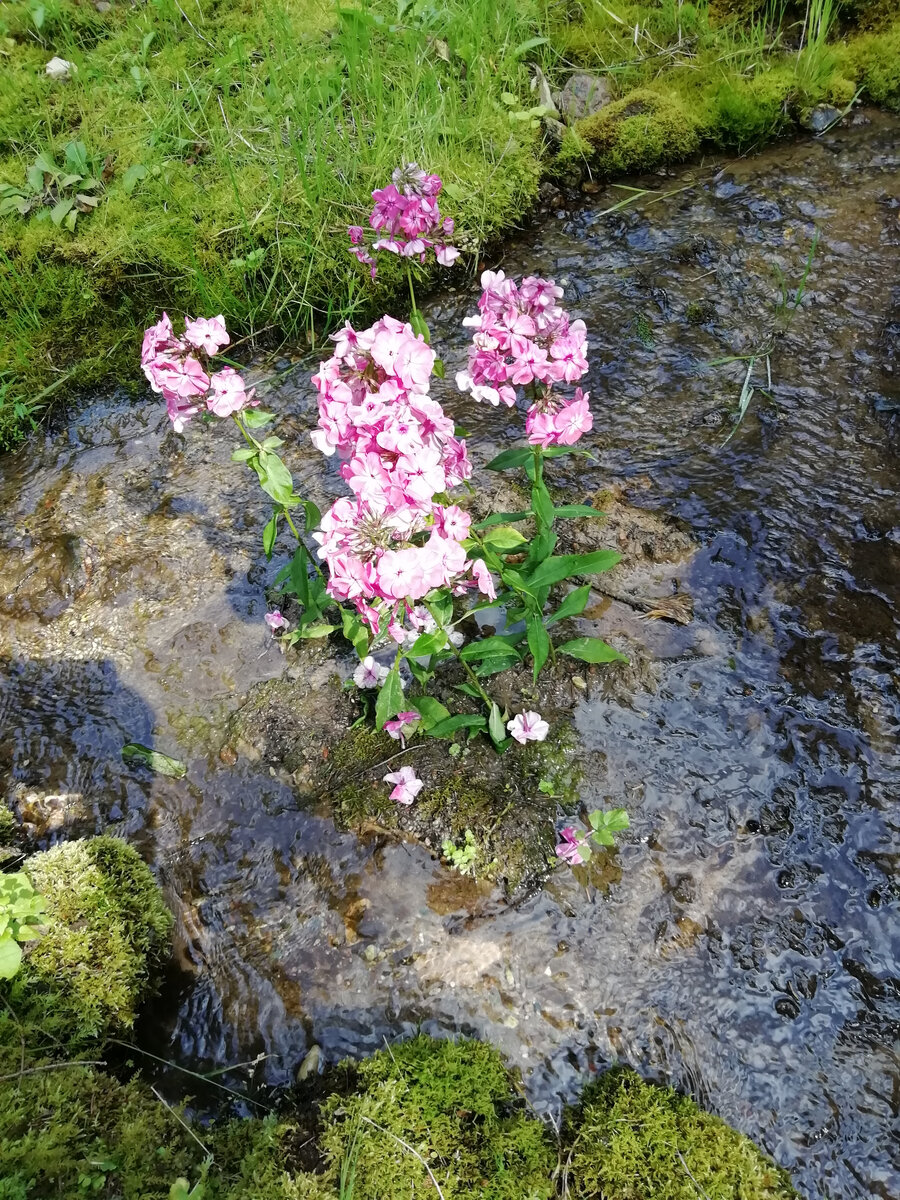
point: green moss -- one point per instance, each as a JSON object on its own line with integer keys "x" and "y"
{"x": 9, "y": 826}
{"x": 628, "y": 1139}
{"x": 107, "y": 932}
{"x": 748, "y": 113}
{"x": 874, "y": 61}
{"x": 452, "y": 1103}
{"x": 643, "y": 130}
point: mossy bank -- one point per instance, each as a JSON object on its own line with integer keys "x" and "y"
{"x": 419, "y": 1118}
{"x": 230, "y": 147}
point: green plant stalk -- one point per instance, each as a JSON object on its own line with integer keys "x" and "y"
{"x": 473, "y": 678}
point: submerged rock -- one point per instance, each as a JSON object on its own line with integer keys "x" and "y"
{"x": 820, "y": 118}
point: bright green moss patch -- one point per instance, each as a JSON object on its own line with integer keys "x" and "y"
{"x": 107, "y": 932}
{"x": 439, "y": 1105}
{"x": 644, "y": 130}
{"x": 630, "y": 1140}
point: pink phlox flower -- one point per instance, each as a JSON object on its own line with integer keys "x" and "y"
{"x": 528, "y": 727}
{"x": 276, "y": 621}
{"x": 574, "y": 420}
{"x": 402, "y": 726}
{"x": 179, "y": 410}
{"x": 541, "y": 428}
{"x": 207, "y": 333}
{"x": 369, "y": 674}
{"x": 158, "y": 339}
{"x": 407, "y": 785}
{"x": 484, "y": 579}
{"x": 452, "y": 521}
{"x": 569, "y": 848}
{"x": 229, "y": 393}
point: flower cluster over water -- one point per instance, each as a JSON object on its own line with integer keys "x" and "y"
{"x": 406, "y": 220}
{"x": 523, "y": 338}
{"x": 391, "y": 543}
{"x": 178, "y": 368}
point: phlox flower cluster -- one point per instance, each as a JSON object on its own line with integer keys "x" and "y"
{"x": 406, "y": 220}
{"x": 524, "y": 338}
{"x": 391, "y": 542}
{"x": 179, "y": 369}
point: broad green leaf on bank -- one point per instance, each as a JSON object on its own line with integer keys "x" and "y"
{"x": 572, "y": 606}
{"x": 503, "y": 537}
{"x": 269, "y": 534}
{"x": 496, "y": 724}
{"x": 313, "y": 516}
{"x": 430, "y": 710}
{"x": 160, "y": 763}
{"x": 355, "y": 632}
{"x": 538, "y": 642}
{"x": 244, "y": 453}
{"x": 315, "y": 631}
{"x": 10, "y": 956}
{"x": 563, "y": 566}
{"x": 449, "y": 726}
{"x": 427, "y": 644}
{"x": 494, "y": 664}
{"x": 517, "y": 457}
{"x": 498, "y": 644}
{"x": 256, "y": 418}
{"x": 501, "y": 519}
{"x": 591, "y": 650}
{"x": 299, "y": 576}
{"x": 577, "y": 510}
{"x": 390, "y": 698}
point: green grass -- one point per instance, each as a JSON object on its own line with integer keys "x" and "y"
{"x": 236, "y": 139}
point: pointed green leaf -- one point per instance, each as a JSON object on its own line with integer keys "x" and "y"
{"x": 541, "y": 504}
{"x": 573, "y": 604}
{"x": 503, "y": 537}
{"x": 390, "y": 698}
{"x": 299, "y": 575}
{"x": 419, "y": 325}
{"x": 496, "y": 724}
{"x": 269, "y": 534}
{"x": 315, "y": 631}
{"x": 461, "y": 721}
{"x": 564, "y": 566}
{"x": 517, "y": 457}
{"x": 430, "y": 710}
{"x": 60, "y": 209}
{"x": 243, "y": 454}
{"x": 501, "y": 644}
{"x": 577, "y": 510}
{"x": 591, "y": 650}
{"x": 256, "y": 418}
{"x": 427, "y": 643}
{"x": 496, "y": 663}
{"x": 538, "y": 642}
{"x": 501, "y": 518}
{"x": 10, "y": 956}
{"x": 313, "y": 516}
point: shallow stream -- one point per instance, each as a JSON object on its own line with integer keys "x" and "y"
{"x": 747, "y": 949}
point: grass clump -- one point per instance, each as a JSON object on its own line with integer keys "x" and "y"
{"x": 440, "y": 1109}
{"x": 107, "y": 932}
{"x": 630, "y": 1140}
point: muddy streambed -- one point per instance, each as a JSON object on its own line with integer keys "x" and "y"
{"x": 743, "y": 944}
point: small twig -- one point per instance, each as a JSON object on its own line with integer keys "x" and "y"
{"x": 86, "y": 1062}
{"x": 196, "y": 1074}
{"x": 206, "y": 1150}
{"x": 407, "y": 1146}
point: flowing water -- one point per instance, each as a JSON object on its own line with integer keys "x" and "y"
{"x": 747, "y": 949}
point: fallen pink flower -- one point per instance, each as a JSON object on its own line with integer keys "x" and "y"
{"x": 528, "y": 727}
{"x": 569, "y": 849}
{"x": 407, "y": 785}
{"x": 402, "y": 726}
{"x": 369, "y": 674}
{"x": 276, "y": 621}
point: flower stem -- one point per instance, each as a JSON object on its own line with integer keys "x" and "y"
{"x": 473, "y": 678}
{"x": 412, "y": 293}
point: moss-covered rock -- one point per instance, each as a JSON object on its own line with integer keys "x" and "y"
{"x": 107, "y": 933}
{"x": 873, "y": 60}
{"x": 645, "y": 129}
{"x": 440, "y": 1108}
{"x": 631, "y": 1140}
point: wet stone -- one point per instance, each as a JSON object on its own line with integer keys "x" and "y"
{"x": 583, "y": 95}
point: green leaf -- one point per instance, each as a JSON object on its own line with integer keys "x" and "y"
{"x": 299, "y": 577}
{"x": 45, "y": 163}
{"x": 531, "y": 44}
{"x": 10, "y": 957}
{"x": 77, "y": 158}
{"x": 256, "y": 418}
{"x": 355, "y": 632}
{"x": 502, "y": 518}
{"x": 511, "y": 458}
{"x": 499, "y": 644}
{"x": 468, "y": 689}
{"x": 542, "y": 504}
{"x": 564, "y": 566}
{"x": 461, "y": 721}
{"x": 133, "y": 177}
{"x": 591, "y": 650}
{"x": 573, "y": 604}
{"x": 70, "y": 219}
{"x": 35, "y": 177}
{"x": 430, "y": 710}
{"x": 496, "y": 724}
{"x": 275, "y": 478}
{"x": 577, "y": 510}
{"x": 61, "y": 209}
{"x": 243, "y": 454}
{"x": 269, "y": 534}
{"x": 503, "y": 537}
{"x": 439, "y": 369}
{"x": 160, "y": 763}
{"x": 496, "y": 663}
{"x": 605, "y": 824}
{"x": 427, "y": 643}
{"x": 538, "y": 642}
{"x": 313, "y": 516}
{"x": 419, "y": 326}
{"x": 315, "y": 631}
{"x": 390, "y": 699}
